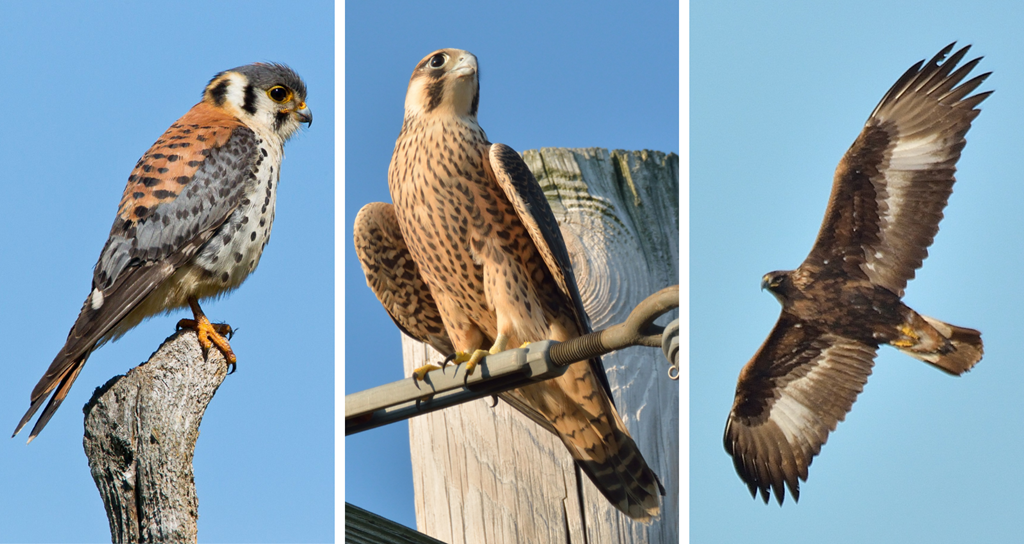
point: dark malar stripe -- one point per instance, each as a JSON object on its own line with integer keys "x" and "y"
{"x": 279, "y": 121}
{"x": 250, "y": 99}
{"x": 435, "y": 92}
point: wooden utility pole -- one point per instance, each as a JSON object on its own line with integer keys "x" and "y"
{"x": 484, "y": 474}
{"x": 140, "y": 436}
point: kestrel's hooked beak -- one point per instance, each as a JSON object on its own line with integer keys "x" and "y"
{"x": 466, "y": 66}
{"x": 304, "y": 115}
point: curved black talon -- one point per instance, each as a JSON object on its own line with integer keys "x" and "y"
{"x": 495, "y": 399}
{"x": 447, "y": 360}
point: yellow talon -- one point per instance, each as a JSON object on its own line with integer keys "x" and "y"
{"x": 471, "y": 359}
{"x": 421, "y": 372}
{"x": 910, "y": 337}
{"x": 210, "y": 334}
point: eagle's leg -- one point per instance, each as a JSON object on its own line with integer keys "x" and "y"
{"x": 209, "y": 334}
{"x": 908, "y": 337}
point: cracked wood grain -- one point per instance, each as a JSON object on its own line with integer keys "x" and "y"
{"x": 140, "y": 437}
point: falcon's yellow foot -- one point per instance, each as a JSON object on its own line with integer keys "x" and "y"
{"x": 471, "y": 359}
{"x": 210, "y": 334}
{"x": 420, "y": 373}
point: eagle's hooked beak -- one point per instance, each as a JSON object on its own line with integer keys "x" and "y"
{"x": 764, "y": 282}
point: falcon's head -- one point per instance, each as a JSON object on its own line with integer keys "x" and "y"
{"x": 267, "y": 96}
{"x": 445, "y": 82}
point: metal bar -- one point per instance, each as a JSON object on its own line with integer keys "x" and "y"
{"x": 449, "y": 386}
{"x": 500, "y": 372}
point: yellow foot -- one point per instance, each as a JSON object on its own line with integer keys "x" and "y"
{"x": 420, "y": 373}
{"x": 471, "y": 359}
{"x": 210, "y": 334}
{"x": 909, "y": 339}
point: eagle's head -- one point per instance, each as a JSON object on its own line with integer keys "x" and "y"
{"x": 778, "y": 283}
{"x": 445, "y": 82}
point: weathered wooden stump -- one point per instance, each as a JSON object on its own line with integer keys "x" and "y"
{"x": 140, "y": 436}
{"x": 484, "y": 474}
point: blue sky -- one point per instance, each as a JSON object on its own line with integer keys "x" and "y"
{"x": 778, "y": 93}
{"x": 575, "y": 74}
{"x": 91, "y": 87}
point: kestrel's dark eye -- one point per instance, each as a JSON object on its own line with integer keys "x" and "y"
{"x": 438, "y": 60}
{"x": 279, "y": 94}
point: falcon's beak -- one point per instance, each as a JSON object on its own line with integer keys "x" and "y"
{"x": 764, "y": 282}
{"x": 466, "y": 66}
{"x": 304, "y": 115}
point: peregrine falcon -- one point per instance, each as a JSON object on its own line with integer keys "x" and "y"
{"x": 470, "y": 260}
{"x": 845, "y": 299}
{"x": 193, "y": 221}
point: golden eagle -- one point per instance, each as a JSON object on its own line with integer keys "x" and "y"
{"x": 844, "y": 300}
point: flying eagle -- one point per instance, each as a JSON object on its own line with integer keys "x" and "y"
{"x": 844, "y": 299}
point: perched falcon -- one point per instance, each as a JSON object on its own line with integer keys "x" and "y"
{"x": 844, "y": 300}
{"x": 193, "y": 220}
{"x": 469, "y": 258}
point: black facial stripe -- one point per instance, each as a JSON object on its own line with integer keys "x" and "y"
{"x": 279, "y": 120}
{"x": 219, "y": 92}
{"x": 435, "y": 92}
{"x": 476, "y": 99}
{"x": 250, "y": 99}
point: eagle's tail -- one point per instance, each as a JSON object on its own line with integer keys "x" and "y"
{"x": 959, "y": 350}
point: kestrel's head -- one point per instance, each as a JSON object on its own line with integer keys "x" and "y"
{"x": 446, "y": 82}
{"x": 272, "y": 96}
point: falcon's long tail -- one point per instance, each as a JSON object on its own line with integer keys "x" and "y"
{"x": 581, "y": 414}
{"x": 61, "y": 383}
{"x": 959, "y": 351}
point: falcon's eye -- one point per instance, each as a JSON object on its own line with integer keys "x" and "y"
{"x": 279, "y": 94}
{"x": 438, "y": 60}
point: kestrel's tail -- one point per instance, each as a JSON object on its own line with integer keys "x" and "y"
{"x": 580, "y": 413}
{"x": 960, "y": 349}
{"x": 61, "y": 381}
{"x": 623, "y": 477}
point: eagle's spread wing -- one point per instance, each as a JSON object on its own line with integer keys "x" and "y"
{"x": 393, "y": 276}
{"x": 145, "y": 247}
{"x": 892, "y": 184}
{"x": 794, "y": 391}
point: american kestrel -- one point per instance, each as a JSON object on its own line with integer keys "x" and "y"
{"x": 193, "y": 221}
{"x": 470, "y": 257}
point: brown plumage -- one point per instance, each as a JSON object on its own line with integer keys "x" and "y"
{"x": 844, "y": 299}
{"x": 478, "y": 256}
{"x": 193, "y": 220}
